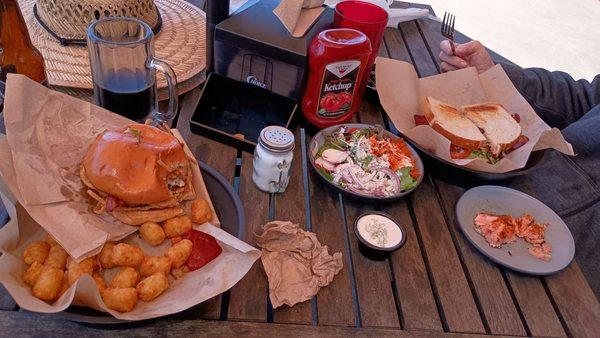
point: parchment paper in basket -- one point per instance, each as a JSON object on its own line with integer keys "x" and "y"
{"x": 195, "y": 287}
{"x": 48, "y": 134}
{"x": 402, "y": 95}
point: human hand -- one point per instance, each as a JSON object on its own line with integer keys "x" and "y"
{"x": 470, "y": 54}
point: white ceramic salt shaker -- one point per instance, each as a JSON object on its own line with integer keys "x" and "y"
{"x": 273, "y": 159}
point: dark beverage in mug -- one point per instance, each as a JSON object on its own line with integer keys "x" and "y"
{"x": 126, "y": 94}
{"x": 124, "y": 70}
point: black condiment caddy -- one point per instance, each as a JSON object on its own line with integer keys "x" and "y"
{"x": 258, "y": 72}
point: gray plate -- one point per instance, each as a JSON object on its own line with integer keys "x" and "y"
{"x": 501, "y": 200}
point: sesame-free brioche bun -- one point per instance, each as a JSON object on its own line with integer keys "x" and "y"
{"x": 139, "y": 165}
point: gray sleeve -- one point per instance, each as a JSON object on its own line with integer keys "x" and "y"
{"x": 555, "y": 96}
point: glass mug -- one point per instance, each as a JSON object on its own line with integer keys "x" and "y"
{"x": 124, "y": 69}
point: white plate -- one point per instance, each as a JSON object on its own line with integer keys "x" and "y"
{"x": 501, "y": 200}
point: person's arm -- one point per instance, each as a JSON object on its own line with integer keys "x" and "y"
{"x": 555, "y": 96}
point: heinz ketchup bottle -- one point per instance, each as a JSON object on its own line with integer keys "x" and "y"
{"x": 337, "y": 59}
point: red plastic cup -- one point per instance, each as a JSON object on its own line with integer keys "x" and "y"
{"x": 367, "y": 18}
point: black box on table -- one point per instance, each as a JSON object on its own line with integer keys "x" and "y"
{"x": 253, "y": 46}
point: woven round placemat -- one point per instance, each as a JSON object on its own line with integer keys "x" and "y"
{"x": 181, "y": 43}
{"x": 69, "y": 19}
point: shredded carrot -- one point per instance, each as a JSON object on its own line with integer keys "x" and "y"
{"x": 396, "y": 151}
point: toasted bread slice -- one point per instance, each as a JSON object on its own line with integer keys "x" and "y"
{"x": 448, "y": 121}
{"x": 499, "y": 127}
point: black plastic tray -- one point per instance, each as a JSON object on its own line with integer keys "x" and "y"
{"x": 230, "y": 210}
{"x": 235, "y": 112}
{"x": 467, "y": 177}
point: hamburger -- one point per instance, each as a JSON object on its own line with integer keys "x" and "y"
{"x": 137, "y": 174}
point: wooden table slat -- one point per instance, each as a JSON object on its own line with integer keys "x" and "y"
{"x": 459, "y": 308}
{"x": 417, "y": 306}
{"x": 576, "y": 302}
{"x": 25, "y": 324}
{"x": 417, "y": 48}
{"x": 417, "y": 301}
{"x": 290, "y": 206}
{"x": 249, "y": 296}
{"x": 335, "y": 303}
{"x": 373, "y": 278}
{"x": 535, "y": 305}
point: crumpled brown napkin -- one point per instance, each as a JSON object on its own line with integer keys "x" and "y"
{"x": 296, "y": 263}
{"x": 298, "y": 15}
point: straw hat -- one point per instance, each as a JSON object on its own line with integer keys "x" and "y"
{"x": 67, "y": 20}
{"x": 180, "y": 40}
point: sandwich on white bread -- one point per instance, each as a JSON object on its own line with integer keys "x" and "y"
{"x": 483, "y": 130}
{"x": 499, "y": 127}
{"x": 452, "y": 124}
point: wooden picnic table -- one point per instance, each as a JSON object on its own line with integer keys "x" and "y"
{"x": 437, "y": 284}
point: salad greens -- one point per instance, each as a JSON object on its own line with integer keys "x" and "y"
{"x": 366, "y": 162}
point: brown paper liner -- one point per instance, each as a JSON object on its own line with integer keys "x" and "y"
{"x": 402, "y": 95}
{"x": 47, "y": 137}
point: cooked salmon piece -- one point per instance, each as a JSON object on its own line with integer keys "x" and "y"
{"x": 541, "y": 251}
{"x": 496, "y": 229}
{"x": 524, "y": 222}
{"x": 483, "y": 219}
{"x": 503, "y": 229}
{"x": 534, "y": 233}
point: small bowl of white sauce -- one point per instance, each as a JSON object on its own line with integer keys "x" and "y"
{"x": 378, "y": 235}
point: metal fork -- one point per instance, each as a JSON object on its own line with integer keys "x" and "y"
{"x": 448, "y": 28}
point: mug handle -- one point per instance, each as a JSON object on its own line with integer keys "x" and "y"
{"x": 164, "y": 67}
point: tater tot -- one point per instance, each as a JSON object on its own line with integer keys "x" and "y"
{"x": 99, "y": 281}
{"x": 48, "y": 284}
{"x": 36, "y": 252}
{"x": 50, "y": 240}
{"x": 177, "y": 226}
{"x": 127, "y": 277}
{"x": 127, "y": 255}
{"x": 152, "y": 233}
{"x": 105, "y": 256}
{"x": 64, "y": 286}
{"x": 122, "y": 300}
{"x": 179, "y": 252}
{"x": 153, "y": 264}
{"x": 176, "y": 239}
{"x": 152, "y": 286}
{"x": 32, "y": 273}
{"x": 180, "y": 272}
{"x": 201, "y": 212}
{"x": 75, "y": 270}
{"x": 57, "y": 257}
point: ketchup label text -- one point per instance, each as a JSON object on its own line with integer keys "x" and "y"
{"x": 337, "y": 89}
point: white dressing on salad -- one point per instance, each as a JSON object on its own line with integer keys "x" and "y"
{"x": 366, "y": 162}
{"x": 379, "y": 231}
